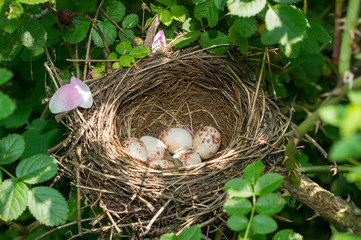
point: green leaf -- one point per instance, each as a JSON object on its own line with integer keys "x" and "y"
{"x": 237, "y": 223}
{"x": 333, "y": 115}
{"x": 346, "y": 148}
{"x": 5, "y": 75}
{"x": 237, "y": 206}
{"x": 286, "y": 23}
{"x": 191, "y": 233}
{"x": 15, "y": 10}
{"x": 32, "y": 2}
{"x": 187, "y": 39}
{"x": 109, "y": 31}
{"x": 246, "y": 27}
{"x": 212, "y": 38}
{"x": 167, "y": 2}
{"x": 115, "y": 9}
{"x": 268, "y": 183}
{"x": 270, "y": 203}
{"x": 112, "y": 56}
{"x": 253, "y": 171}
{"x": 220, "y": 4}
{"x": 20, "y": 116}
{"x": 36, "y": 169}
{"x": 139, "y": 52}
{"x": 78, "y": 31}
{"x": 245, "y": 8}
{"x": 290, "y": 50}
{"x": 126, "y": 60}
{"x": 207, "y": 10}
{"x": 310, "y": 45}
{"x": 1, "y": 176}
{"x": 238, "y": 187}
{"x": 351, "y": 121}
{"x": 14, "y": 197}
{"x": 39, "y": 136}
{"x": 287, "y": 234}
{"x": 155, "y": 9}
{"x": 317, "y": 32}
{"x": 32, "y": 34}
{"x": 179, "y": 13}
{"x": 116, "y": 65}
{"x": 191, "y": 24}
{"x": 48, "y": 206}
{"x": 345, "y": 236}
{"x": 241, "y": 41}
{"x": 123, "y": 48}
{"x": 165, "y": 17}
{"x": 169, "y": 236}
{"x": 123, "y": 38}
{"x": 130, "y": 21}
{"x": 6, "y": 105}
{"x": 287, "y": 1}
{"x": 355, "y": 97}
{"x": 263, "y": 224}
{"x": 11, "y": 148}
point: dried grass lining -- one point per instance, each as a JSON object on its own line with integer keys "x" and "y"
{"x": 190, "y": 90}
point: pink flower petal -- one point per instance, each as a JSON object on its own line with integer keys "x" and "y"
{"x": 65, "y": 98}
{"x": 84, "y": 91}
{"x": 159, "y": 41}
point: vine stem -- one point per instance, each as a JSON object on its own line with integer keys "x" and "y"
{"x": 251, "y": 217}
{"x": 8, "y": 173}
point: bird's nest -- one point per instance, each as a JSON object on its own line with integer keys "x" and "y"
{"x": 194, "y": 90}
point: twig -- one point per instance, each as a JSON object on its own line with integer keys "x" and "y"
{"x": 92, "y": 60}
{"x": 77, "y": 67}
{"x": 52, "y": 66}
{"x": 147, "y": 229}
{"x": 337, "y": 32}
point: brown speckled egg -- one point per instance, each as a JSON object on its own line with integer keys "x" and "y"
{"x": 207, "y": 141}
{"x": 135, "y": 148}
{"x": 188, "y": 157}
{"x": 155, "y": 147}
{"x": 176, "y": 138}
{"x": 161, "y": 164}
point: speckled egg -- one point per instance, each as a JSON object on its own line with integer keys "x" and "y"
{"x": 161, "y": 164}
{"x": 155, "y": 147}
{"x": 207, "y": 141}
{"x": 176, "y": 138}
{"x": 135, "y": 148}
{"x": 188, "y": 157}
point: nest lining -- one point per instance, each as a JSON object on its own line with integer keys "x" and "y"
{"x": 190, "y": 90}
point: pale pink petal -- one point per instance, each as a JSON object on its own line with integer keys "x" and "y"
{"x": 159, "y": 41}
{"x": 84, "y": 91}
{"x": 65, "y": 98}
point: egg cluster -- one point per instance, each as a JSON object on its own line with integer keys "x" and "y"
{"x": 175, "y": 147}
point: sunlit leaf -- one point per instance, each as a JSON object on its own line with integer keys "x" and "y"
{"x": 32, "y": 34}
{"x": 139, "y": 52}
{"x": 169, "y": 236}
{"x": 238, "y": 187}
{"x": 253, "y": 171}
{"x": 245, "y": 8}
{"x": 123, "y": 48}
{"x": 165, "y": 17}
{"x": 126, "y": 60}
{"x": 345, "y": 236}
{"x": 191, "y": 24}
{"x": 287, "y": 234}
{"x": 333, "y": 115}
{"x": 32, "y": 2}
{"x": 179, "y": 13}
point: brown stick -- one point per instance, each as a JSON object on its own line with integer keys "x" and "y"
{"x": 332, "y": 208}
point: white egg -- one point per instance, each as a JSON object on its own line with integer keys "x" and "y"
{"x": 155, "y": 147}
{"x": 161, "y": 164}
{"x": 207, "y": 141}
{"x": 135, "y": 148}
{"x": 176, "y": 138}
{"x": 188, "y": 157}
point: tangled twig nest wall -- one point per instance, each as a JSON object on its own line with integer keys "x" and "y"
{"x": 193, "y": 90}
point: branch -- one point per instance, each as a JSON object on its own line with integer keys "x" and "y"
{"x": 332, "y": 208}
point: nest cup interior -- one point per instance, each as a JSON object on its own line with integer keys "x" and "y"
{"x": 192, "y": 91}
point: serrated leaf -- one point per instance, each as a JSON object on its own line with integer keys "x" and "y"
{"x": 13, "y": 199}
{"x": 32, "y": 34}
{"x": 36, "y": 169}
{"x": 126, "y": 60}
{"x": 15, "y": 10}
{"x": 207, "y": 10}
{"x": 191, "y": 24}
{"x": 167, "y": 2}
{"x": 123, "y": 48}
{"x": 237, "y": 223}
{"x": 263, "y": 224}
{"x": 123, "y": 38}
{"x": 78, "y": 31}
{"x": 187, "y": 39}
{"x": 344, "y": 149}
{"x": 6, "y": 105}
{"x": 130, "y": 21}
{"x": 290, "y": 50}
{"x": 32, "y": 2}
{"x": 139, "y": 52}
{"x": 253, "y": 171}
{"x": 112, "y": 56}
{"x": 191, "y": 233}
{"x": 11, "y": 148}
{"x": 5, "y": 75}
{"x": 245, "y": 8}
{"x": 47, "y": 205}
{"x": 317, "y": 32}
{"x": 155, "y": 9}
{"x": 237, "y": 206}
{"x": 165, "y": 17}
{"x": 220, "y": 4}
{"x": 238, "y": 187}
{"x": 169, "y": 236}
{"x": 268, "y": 183}
{"x": 269, "y": 204}
{"x": 179, "y": 13}
{"x": 115, "y": 9}
{"x": 109, "y": 31}
{"x": 286, "y": 23}
{"x": 287, "y": 234}
{"x": 246, "y": 27}
{"x": 241, "y": 41}
{"x": 116, "y": 65}
{"x": 212, "y": 38}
